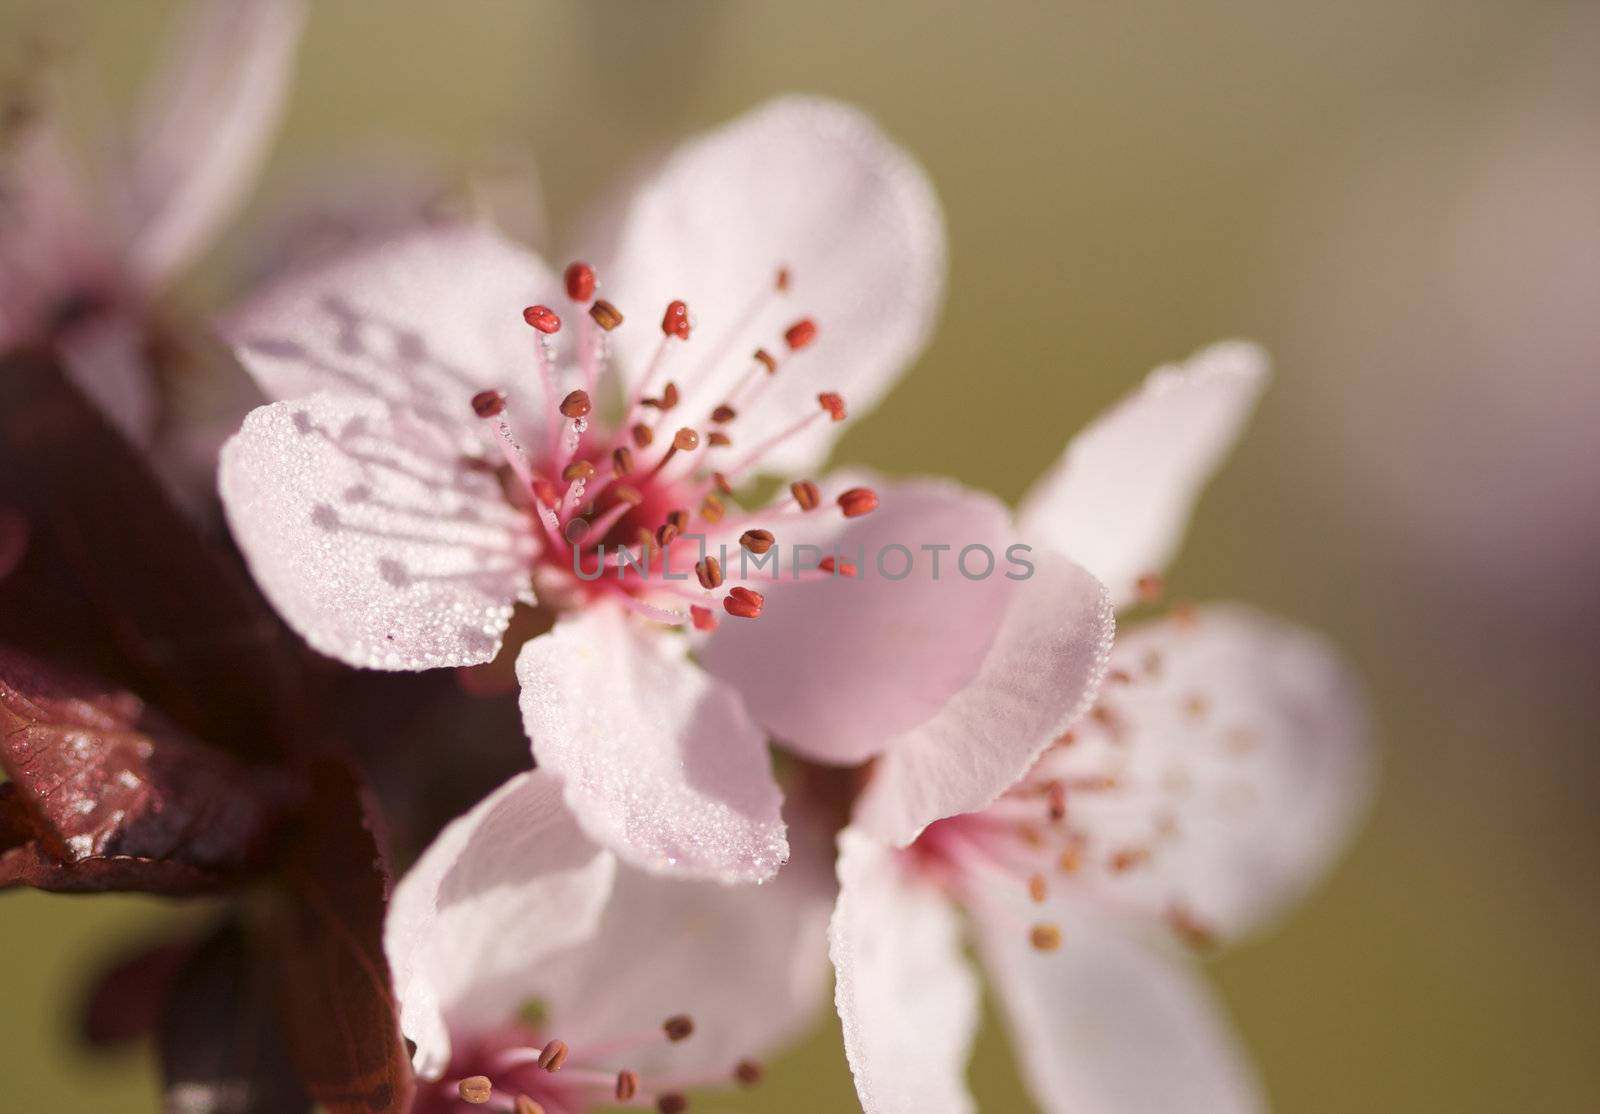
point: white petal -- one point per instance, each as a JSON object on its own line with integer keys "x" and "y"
{"x": 906, "y": 997}
{"x": 1241, "y": 752}
{"x": 1119, "y": 499}
{"x": 661, "y": 762}
{"x": 803, "y": 183}
{"x": 749, "y": 964}
{"x": 502, "y": 888}
{"x": 205, "y": 128}
{"x": 424, "y": 320}
{"x": 1043, "y": 668}
{"x": 1107, "y": 1022}
{"x": 370, "y": 536}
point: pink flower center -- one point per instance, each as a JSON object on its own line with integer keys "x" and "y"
{"x": 639, "y": 509}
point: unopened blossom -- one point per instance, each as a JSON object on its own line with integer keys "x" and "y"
{"x": 1215, "y": 776}
{"x": 465, "y": 428}
{"x": 535, "y": 973}
{"x": 85, "y": 251}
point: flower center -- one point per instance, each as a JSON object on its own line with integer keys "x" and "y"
{"x": 641, "y": 509}
{"x": 515, "y": 1072}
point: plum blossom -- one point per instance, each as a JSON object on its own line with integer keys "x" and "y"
{"x": 1216, "y": 775}
{"x": 464, "y": 429}
{"x": 534, "y": 973}
{"x": 84, "y": 254}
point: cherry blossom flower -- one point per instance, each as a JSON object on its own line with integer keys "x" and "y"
{"x": 536, "y": 974}
{"x": 1216, "y": 775}
{"x": 84, "y": 253}
{"x": 446, "y": 450}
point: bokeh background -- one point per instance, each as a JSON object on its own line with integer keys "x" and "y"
{"x": 1401, "y": 200}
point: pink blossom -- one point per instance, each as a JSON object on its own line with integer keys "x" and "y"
{"x": 83, "y": 252}
{"x": 466, "y": 429}
{"x": 674, "y": 984}
{"x": 1214, "y": 778}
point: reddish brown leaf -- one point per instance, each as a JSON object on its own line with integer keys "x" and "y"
{"x": 104, "y": 794}
{"x": 125, "y": 1000}
{"x": 340, "y": 1015}
{"x": 113, "y": 569}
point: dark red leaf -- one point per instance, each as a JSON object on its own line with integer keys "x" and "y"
{"x": 340, "y": 1015}
{"x": 104, "y": 794}
{"x": 222, "y": 1049}
{"x": 114, "y": 576}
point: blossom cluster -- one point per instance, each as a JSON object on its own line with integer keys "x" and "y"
{"x": 781, "y": 718}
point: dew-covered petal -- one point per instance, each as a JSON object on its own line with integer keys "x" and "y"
{"x": 503, "y": 887}
{"x": 204, "y": 129}
{"x": 1043, "y": 668}
{"x": 800, "y": 183}
{"x": 661, "y": 762}
{"x": 835, "y": 667}
{"x": 371, "y": 536}
{"x": 906, "y": 997}
{"x": 425, "y": 320}
{"x": 749, "y": 965}
{"x": 1119, "y": 499}
{"x": 1239, "y": 752}
{"x": 1107, "y": 1021}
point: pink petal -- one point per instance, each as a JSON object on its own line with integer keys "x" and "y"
{"x": 502, "y": 888}
{"x": 424, "y": 320}
{"x": 803, "y": 183}
{"x": 370, "y": 536}
{"x": 1240, "y": 749}
{"x": 747, "y": 963}
{"x": 1043, "y": 668}
{"x": 105, "y": 359}
{"x": 1120, "y": 497}
{"x": 1107, "y": 1022}
{"x": 205, "y": 127}
{"x": 661, "y": 762}
{"x": 905, "y": 994}
{"x": 836, "y": 667}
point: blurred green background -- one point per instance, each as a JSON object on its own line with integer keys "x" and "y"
{"x": 1393, "y": 197}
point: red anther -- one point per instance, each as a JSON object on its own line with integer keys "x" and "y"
{"x": 679, "y": 518}
{"x": 675, "y": 322}
{"x": 757, "y": 541}
{"x": 672, "y": 1103}
{"x": 1038, "y": 888}
{"x": 703, "y": 618}
{"x": 626, "y": 493}
{"x": 576, "y": 405}
{"x": 606, "y": 315}
{"x": 542, "y": 318}
{"x": 546, "y": 492}
{"x": 526, "y": 1105}
{"x": 488, "y": 404}
{"x": 578, "y": 470}
{"x": 783, "y": 279}
{"x": 642, "y": 436}
{"x": 800, "y": 334}
{"x": 719, "y": 439}
{"x": 837, "y": 567}
{"x": 680, "y": 1026}
{"x": 580, "y": 282}
{"x": 767, "y": 360}
{"x": 712, "y": 508}
{"x": 1045, "y": 937}
{"x": 1150, "y": 586}
{"x": 553, "y": 1055}
{"x": 724, "y": 414}
{"x": 627, "y": 1085}
{"x": 685, "y": 440}
{"x": 721, "y": 483}
{"x": 833, "y": 403}
{"x": 744, "y": 603}
{"x": 709, "y": 572}
{"x": 666, "y": 534}
{"x": 1057, "y": 794}
{"x": 748, "y": 1073}
{"x": 621, "y": 460}
{"x": 806, "y": 494}
{"x": 668, "y": 399}
{"x": 475, "y": 1089}
{"x": 858, "y": 501}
